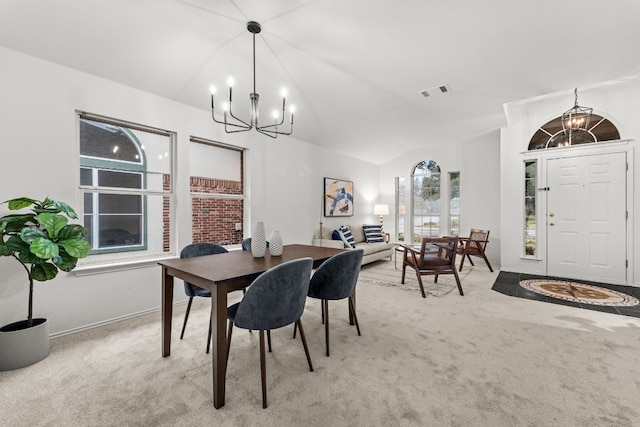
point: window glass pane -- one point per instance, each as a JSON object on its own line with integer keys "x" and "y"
{"x": 119, "y": 179}
{"x": 216, "y": 171}
{"x": 107, "y": 141}
{"x": 454, "y": 203}
{"x": 86, "y": 176}
{"x": 120, "y": 230}
{"x": 400, "y": 208}
{"x": 426, "y": 200}
{"x": 120, "y": 203}
{"x": 530, "y": 226}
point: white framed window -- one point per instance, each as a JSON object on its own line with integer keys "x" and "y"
{"x": 126, "y": 186}
{"x": 426, "y": 200}
{"x": 217, "y": 190}
{"x": 454, "y": 203}
{"x": 401, "y": 189}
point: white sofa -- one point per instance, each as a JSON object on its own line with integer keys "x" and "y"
{"x": 372, "y": 251}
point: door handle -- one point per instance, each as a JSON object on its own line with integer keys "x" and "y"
{"x": 552, "y": 223}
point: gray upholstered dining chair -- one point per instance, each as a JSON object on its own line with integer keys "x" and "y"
{"x": 191, "y": 290}
{"x": 275, "y": 299}
{"x": 336, "y": 279}
{"x": 246, "y": 244}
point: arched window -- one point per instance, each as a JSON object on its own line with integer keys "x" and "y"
{"x": 125, "y": 183}
{"x": 426, "y": 200}
{"x": 551, "y": 135}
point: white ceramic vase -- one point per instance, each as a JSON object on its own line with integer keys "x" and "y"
{"x": 258, "y": 240}
{"x": 275, "y": 243}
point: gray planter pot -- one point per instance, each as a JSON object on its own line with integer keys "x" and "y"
{"x": 21, "y": 346}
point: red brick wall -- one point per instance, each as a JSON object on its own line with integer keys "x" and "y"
{"x": 214, "y": 219}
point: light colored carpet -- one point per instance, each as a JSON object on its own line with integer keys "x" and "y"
{"x": 483, "y": 359}
{"x": 390, "y": 274}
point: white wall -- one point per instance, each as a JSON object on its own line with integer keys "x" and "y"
{"x": 38, "y": 104}
{"x": 478, "y": 161}
{"x": 614, "y": 100}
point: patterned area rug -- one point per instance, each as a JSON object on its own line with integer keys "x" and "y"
{"x": 384, "y": 273}
{"x": 579, "y": 292}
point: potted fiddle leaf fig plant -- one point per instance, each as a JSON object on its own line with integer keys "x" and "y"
{"x": 43, "y": 241}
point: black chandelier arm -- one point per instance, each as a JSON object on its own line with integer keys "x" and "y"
{"x": 273, "y": 135}
{"x": 266, "y": 131}
{"x": 244, "y": 127}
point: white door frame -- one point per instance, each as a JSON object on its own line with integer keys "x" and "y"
{"x": 542, "y": 156}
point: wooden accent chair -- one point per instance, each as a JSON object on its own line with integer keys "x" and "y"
{"x": 474, "y": 245}
{"x": 437, "y": 255}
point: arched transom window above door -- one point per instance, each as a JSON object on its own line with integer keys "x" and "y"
{"x": 551, "y": 135}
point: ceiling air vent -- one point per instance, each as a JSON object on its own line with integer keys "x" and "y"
{"x": 436, "y": 90}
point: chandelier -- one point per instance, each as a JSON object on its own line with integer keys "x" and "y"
{"x": 575, "y": 119}
{"x": 232, "y": 123}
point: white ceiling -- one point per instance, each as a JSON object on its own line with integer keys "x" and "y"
{"x": 353, "y": 68}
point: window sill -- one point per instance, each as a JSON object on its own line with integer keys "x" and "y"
{"x": 101, "y": 267}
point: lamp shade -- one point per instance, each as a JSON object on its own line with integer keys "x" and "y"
{"x": 381, "y": 209}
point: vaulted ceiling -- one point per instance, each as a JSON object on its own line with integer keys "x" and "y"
{"x": 353, "y": 68}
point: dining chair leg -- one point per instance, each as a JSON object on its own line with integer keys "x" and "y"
{"x": 186, "y": 317}
{"x": 322, "y": 311}
{"x": 263, "y": 371}
{"x": 229, "y": 332}
{"x": 304, "y": 343}
{"x": 404, "y": 269}
{"x": 269, "y": 339}
{"x": 295, "y": 328}
{"x": 209, "y": 336}
{"x": 353, "y": 301}
{"x": 352, "y": 309}
{"x": 325, "y": 304}
{"x": 462, "y": 261}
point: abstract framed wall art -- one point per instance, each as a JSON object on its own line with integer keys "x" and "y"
{"x": 338, "y": 197}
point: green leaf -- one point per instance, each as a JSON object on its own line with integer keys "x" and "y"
{"x": 14, "y": 223}
{"x": 44, "y": 248}
{"x": 65, "y": 262}
{"x": 4, "y": 250}
{"x": 20, "y": 203}
{"x": 29, "y": 234}
{"x": 62, "y": 207}
{"x": 26, "y": 257}
{"x": 52, "y": 222}
{"x": 16, "y": 244}
{"x": 72, "y": 231}
{"x": 78, "y": 248}
{"x": 44, "y": 272}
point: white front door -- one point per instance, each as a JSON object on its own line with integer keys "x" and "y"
{"x": 586, "y": 217}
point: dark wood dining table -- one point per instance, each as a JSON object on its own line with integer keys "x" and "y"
{"x": 223, "y": 273}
